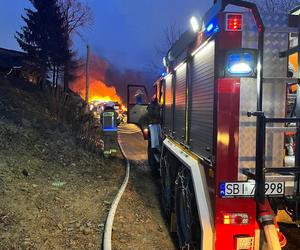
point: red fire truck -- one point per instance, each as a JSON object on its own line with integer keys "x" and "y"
{"x": 226, "y": 126}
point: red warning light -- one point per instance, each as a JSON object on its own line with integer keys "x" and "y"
{"x": 234, "y": 22}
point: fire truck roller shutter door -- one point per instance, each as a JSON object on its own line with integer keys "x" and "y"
{"x": 180, "y": 103}
{"x": 168, "y": 116}
{"x": 202, "y": 100}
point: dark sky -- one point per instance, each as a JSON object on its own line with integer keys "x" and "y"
{"x": 126, "y": 32}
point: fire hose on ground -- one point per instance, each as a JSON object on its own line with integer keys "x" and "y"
{"x": 110, "y": 218}
{"x": 275, "y": 239}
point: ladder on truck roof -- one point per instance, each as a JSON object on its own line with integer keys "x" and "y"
{"x": 261, "y": 172}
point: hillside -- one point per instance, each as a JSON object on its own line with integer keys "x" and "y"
{"x": 54, "y": 194}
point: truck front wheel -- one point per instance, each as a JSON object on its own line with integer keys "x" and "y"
{"x": 154, "y": 165}
{"x": 166, "y": 183}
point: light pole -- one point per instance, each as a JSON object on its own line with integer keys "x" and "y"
{"x": 87, "y": 72}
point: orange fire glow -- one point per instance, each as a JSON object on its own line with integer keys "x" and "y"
{"x": 98, "y": 90}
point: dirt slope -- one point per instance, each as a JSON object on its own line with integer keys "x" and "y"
{"x": 54, "y": 195}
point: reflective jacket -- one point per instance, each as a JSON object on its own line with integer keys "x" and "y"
{"x": 109, "y": 120}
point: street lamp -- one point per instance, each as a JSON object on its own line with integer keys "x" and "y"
{"x": 87, "y": 66}
{"x": 87, "y": 72}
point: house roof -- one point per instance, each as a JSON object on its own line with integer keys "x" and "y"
{"x": 11, "y": 58}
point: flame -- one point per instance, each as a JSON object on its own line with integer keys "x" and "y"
{"x": 98, "y": 90}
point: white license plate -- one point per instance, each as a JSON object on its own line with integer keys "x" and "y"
{"x": 247, "y": 189}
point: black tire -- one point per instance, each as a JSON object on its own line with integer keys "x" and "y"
{"x": 187, "y": 220}
{"x": 167, "y": 185}
{"x": 154, "y": 165}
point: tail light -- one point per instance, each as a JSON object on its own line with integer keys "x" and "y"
{"x": 145, "y": 133}
{"x": 235, "y": 219}
{"x": 234, "y": 22}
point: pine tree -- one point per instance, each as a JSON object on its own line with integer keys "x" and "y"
{"x": 44, "y": 37}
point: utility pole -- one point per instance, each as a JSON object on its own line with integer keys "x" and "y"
{"x": 87, "y": 71}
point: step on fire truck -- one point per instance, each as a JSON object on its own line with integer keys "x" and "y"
{"x": 230, "y": 141}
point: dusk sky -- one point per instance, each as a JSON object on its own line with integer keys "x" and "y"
{"x": 125, "y": 32}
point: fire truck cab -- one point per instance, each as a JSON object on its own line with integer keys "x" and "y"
{"x": 230, "y": 129}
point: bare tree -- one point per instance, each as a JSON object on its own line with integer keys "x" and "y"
{"x": 276, "y": 6}
{"x": 75, "y": 15}
{"x": 171, "y": 35}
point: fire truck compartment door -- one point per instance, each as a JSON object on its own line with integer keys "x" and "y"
{"x": 137, "y": 98}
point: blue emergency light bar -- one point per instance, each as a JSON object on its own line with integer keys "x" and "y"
{"x": 212, "y": 28}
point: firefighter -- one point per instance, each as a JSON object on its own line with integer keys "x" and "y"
{"x": 110, "y": 129}
{"x": 139, "y": 96}
{"x": 154, "y": 122}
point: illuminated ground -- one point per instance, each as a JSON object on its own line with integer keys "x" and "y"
{"x": 139, "y": 223}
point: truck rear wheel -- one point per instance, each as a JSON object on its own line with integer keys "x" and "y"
{"x": 188, "y": 227}
{"x": 168, "y": 175}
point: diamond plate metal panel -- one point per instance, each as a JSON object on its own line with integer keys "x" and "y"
{"x": 273, "y": 106}
{"x": 250, "y": 35}
{"x": 274, "y": 95}
{"x": 274, "y": 43}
